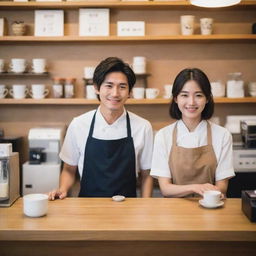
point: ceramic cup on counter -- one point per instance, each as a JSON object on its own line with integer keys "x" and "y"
{"x": 38, "y": 91}
{"x": 38, "y": 66}
{"x": 19, "y": 91}
{"x": 1, "y": 65}
{"x": 187, "y": 23}
{"x": 206, "y": 26}
{"x": 35, "y": 205}
{"x": 152, "y": 93}
{"x": 212, "y": 197}
{"x": 90, "y": 92}
{"x": 18, "y": 65}
{"x": 167, "y": 91}
{"x": 138, "y": 93}
{"x": 3, "y": 91}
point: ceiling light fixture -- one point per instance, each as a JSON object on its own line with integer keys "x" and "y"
{"x": 214, "y": 3}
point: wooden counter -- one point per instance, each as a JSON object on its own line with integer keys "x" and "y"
{"x": 155, "y": 226}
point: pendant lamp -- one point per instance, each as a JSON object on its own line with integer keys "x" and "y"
{"x": 214, "y": 3}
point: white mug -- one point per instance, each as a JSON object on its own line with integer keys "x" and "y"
{"x": 38, "y": 66}
{"x": 88, "y": 72}
{"x": 35, "y": 205}
{"x": 38, "y": 91}
{"x": 3, "y": 91}
{"x": 212, "y": 197}
{"x": 167, "y": 91}
{"x": 218, "y": 89}
{"x": 138, "y": 93}
{"x": 1, "y": 65}
{"x": 152, "y": 93}
{"x": 18, "y": 65}
{"x": 206, "y": 25}
{"x": 187, "y": 23}
{"x": 18, "y": 91}
{"x": 90, "y": 92}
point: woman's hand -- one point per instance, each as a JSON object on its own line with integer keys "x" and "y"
{"x": 201, "y": 188}
{"x": 57, "y": 193}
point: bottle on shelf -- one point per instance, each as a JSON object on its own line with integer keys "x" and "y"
{"x": 69, "y": 87}
{"x": 57, "y": 88}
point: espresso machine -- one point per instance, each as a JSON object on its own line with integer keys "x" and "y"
{"x": 9, "y": 176}
{"x": 41, "y": 173}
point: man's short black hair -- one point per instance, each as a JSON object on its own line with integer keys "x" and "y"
{"x": 113, "y": 64}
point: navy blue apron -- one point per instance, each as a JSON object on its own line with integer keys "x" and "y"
{"x": 109, "y": 166}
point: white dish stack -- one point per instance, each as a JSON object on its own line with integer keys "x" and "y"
{"x": 252, "y": 89}
{"x": 218, "y": 89}
{"x": 139, "y": 65}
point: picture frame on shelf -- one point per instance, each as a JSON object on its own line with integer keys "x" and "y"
{"x": 130, "y": 28}
{"x": 93, "y": 22}
{"x": 49, "y": 23}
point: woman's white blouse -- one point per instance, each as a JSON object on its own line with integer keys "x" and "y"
{"x": 221, "y": 142}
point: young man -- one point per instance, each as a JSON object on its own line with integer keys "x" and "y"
{"x": 109, "y": 145}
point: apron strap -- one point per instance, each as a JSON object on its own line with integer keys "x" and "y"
{"x": 174, "y": 135}
{"x": 129, "y": 133}
{"x": 209, "y": 134}
{"x": 92, "y": 125}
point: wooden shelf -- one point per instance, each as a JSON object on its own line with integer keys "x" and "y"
{"x": 173, "y": 38}
{"x": 109, "y": 4}
{"x": 83, "y": 101}
{"x": 26, "y": 74}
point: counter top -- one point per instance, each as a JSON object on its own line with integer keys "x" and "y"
{"x": 135, "y": 219}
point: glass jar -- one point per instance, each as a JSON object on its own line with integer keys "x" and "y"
{"x": 57, "y": 88}
{"x": 235, "y": 85}
{"x": 69, "y": 87}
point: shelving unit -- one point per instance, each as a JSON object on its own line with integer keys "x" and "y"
{"x": 82, "y": 101}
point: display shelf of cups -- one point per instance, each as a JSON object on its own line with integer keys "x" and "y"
{"x": 168, "y": 38}
{"x": 83, "y": 101}
{"x": 109, "y": 4}
{"x": 25, "y": 74}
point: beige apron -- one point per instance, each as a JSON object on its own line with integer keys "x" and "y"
{"x": 192, "y": 165}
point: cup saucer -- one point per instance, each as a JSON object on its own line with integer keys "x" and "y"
{"x": 202, "y": 203}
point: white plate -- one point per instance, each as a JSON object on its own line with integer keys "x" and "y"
{"x": 202, "y": 203}
{"x": 118, "y": 198}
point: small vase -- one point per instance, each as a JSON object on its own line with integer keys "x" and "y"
{"x": 19, "y": 29}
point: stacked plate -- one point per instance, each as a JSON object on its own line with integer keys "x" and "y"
{"x": 252, "y": 89}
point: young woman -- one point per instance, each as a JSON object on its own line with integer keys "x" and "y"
{"x": 192, "y": 155}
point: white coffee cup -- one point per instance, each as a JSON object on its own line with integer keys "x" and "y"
{"x": 18, "y": 65}
{"x": 218, "y": 89}
{"x": 35, "y": 205}
{"x": 167, "y": 91}
{"x": 206, "y": 25}
{"x": 138, "y": 93}
{"x": 1, "y": 65}
{"x": 18, "y": 91}
{"x": 152, "y": 93}
{"x": 3, "y": 91}
{"x": 38, "y": 91}
{"x": 39, "y": 66}
{"x": 212, "y": 197}
{"x": 88, "y": 72}
{"x": 139, "y": 65}
{"x": 187, "y": 23}
{"x": 90, "y": 92}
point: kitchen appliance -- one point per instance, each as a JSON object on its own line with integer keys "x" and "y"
{"x": 248, "y": 132}
{"x": 41, "y": 173}
{"x": 245, "y": 170}
{"x": 249, "y": 204}
{"x": 9, "y": 179}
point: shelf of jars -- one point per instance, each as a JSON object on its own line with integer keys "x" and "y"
{"x": 109, "y": 4}
{"x": 83, "y": 101}
{"x": 170, "y": 38}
